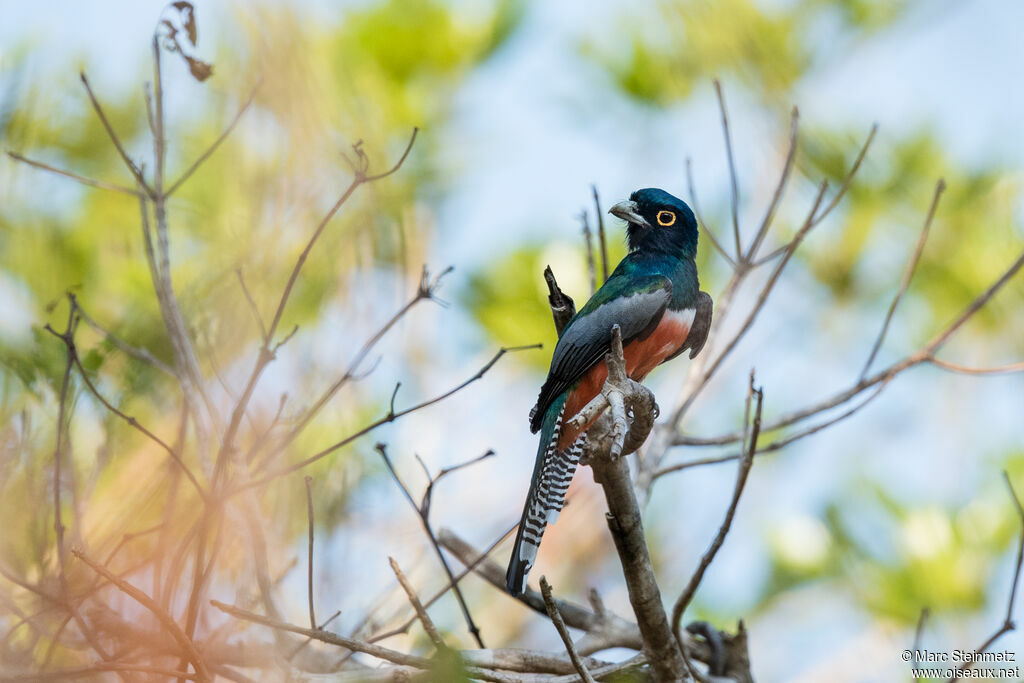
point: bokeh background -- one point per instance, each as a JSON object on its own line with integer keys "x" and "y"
{"x": 840, "y": 539}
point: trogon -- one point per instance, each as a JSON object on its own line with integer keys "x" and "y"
{"x": 654, "y": 297}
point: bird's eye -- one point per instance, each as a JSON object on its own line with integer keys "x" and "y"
{"x": 666, "y": 218}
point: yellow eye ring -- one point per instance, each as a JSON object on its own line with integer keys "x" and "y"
{"x": 666, "y": 218}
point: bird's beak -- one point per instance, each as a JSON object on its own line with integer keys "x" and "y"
{"x": 627, "y": 211}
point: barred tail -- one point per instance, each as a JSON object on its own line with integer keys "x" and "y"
{"x": 552, "y": 474}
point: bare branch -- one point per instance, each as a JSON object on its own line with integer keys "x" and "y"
{"x": 423, "y": 515}
{"x": 735, "y": 203}
{"x": 309, "y": 576}
{"x": 563, "y": 632}
{"x": 391, "y": 416}
{"x": 908, "y": 273}
{"x": 794, "y": 127}
{"x": 626, "y": 526}
{"x": 93, "y": 670}
{"x": 265, "y": 355}
{"x": 608, "y": 628}
{"x": 421, "y": 612}
{"x": 355, "y": 645}
{"x": 401, "y": 159}
{"x": 775, "y": 445}
{"x": 73, "y": 354}
{"x": 741, "y": 479}
{"x": 134, "y": 351}
{"x": 1008, "y": 624}
{"x": 848, "y": 180}
{"x": 588, "y": 243}
{"x": 427, "y": 495}
{"x": 325, "y": 637}
{"x": 600, "y": 234}
{"x": 91, "y": 182}
{"x": 426, "y": 291}
{"x": 252, "y": 306}
{"x": 918, "y": 635}
{"x": 964, "y": 370}
{"x": 752, "y": 315}
{"x": 135, "y": 170}
{"x": 216, "y": 143}
{"x": 700, "y": 220}
{"x": 183, "y": 641}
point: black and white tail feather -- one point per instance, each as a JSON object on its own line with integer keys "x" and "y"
{"x": 552, "y": 474}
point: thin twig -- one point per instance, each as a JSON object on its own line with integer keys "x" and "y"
{"x": 766, "y": 290}
{"x": 965, "y": 370}
{"x": 741, "y": 479}
{"x": 136, "y": 171}
{"x": 918, "y": 636}
{"x": 325, "y": 637}
{"x": 352, "y": 644}
{"x": 470, "y": 566}
{"x": 427, "y": 290}
{"x": 563, "y": 632}
{"x": 391, "y": 416}
{"x": 908, "y": 273}
{"x": 700, "y": 220}
{"x": 91, "y": 182}
{"x": 184, "y": 642}
{"x": 252, "y": 306}
{"x": 775, "y": 445}
{"x": 1008, "y": 624}
{"x": 265, "y": 355}
{"x": 134, "y": 351}
{"x": 735, "y": 194}
{"x": 588, "y": 244}
{"x": 70, "y": 342}
{"x": 424, "y": 516}
{"x": 213, "y": 148}
{"x": 309, "y": 576}
{"x": 848, "y": 180}
{"x": 600, "y": 234}
{"x": 58, "y": 458}
{"x": 421, "y": 612}
{"x": 755, "y": 244}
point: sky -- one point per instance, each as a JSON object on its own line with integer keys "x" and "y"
{"x": 530, "y": 134}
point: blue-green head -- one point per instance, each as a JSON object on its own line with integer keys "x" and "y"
{"x": 658, "y": 221}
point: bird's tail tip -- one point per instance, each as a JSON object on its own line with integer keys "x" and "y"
{"x": 515, "y": 577}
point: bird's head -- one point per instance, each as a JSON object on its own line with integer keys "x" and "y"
{"x": 658, "y": 221}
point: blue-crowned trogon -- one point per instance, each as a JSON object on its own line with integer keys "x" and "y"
{"x": 654, "y": 297}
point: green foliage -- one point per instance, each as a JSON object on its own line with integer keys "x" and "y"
{"x": 328, "y": 94}
{"x": 763, "y": 46}
{"x": 887, "y": 204}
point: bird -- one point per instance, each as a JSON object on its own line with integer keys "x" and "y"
{"x": 654, "y": 296}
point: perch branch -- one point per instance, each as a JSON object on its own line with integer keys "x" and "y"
{"x": 626, "y": 526}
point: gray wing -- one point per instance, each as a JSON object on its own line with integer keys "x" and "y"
{"x": 587, "y": 337}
